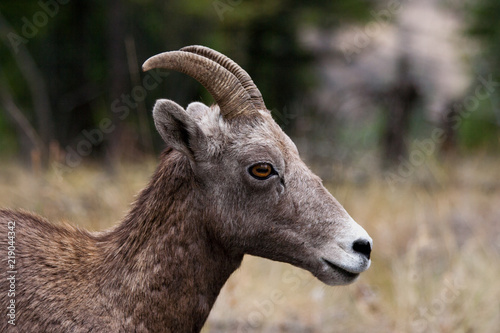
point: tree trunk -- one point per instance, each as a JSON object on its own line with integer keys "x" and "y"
{"x": 118, "y": 76}
{"x": 401, "y": 100}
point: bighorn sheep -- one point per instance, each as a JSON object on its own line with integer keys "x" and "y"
{"x": 230, "y": 183}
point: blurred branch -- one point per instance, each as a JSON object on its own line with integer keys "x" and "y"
{"x": 18, "y": 117}
{"x": 142, "y": 113}
{"x": 34, "y": 81}
{"x": 115, "y": 29}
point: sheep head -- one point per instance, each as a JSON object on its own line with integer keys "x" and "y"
{"x": 262, "y": 198}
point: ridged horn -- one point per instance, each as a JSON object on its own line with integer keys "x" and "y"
{"x": 225, "y": 88}
{"x": 234, "y": 68}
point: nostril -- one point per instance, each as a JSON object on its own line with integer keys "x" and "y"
{"x": 362, "y": 246}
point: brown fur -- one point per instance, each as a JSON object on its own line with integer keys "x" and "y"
{"x": 160, "y": 270}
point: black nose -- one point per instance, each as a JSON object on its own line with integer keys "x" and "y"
{"x": 362, "y": 246}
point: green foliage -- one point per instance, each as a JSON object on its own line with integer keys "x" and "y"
{"x": 485, "y": 23}
{"x": 485, "y": 26}
{"x": 81, "y": 54}
{"x": 480, "y": 129}
{"x": 8, "y": 140}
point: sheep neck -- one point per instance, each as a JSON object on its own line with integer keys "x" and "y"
{"x": 164, "y": 269}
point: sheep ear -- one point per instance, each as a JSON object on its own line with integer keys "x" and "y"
{"x": 177, "y": 128}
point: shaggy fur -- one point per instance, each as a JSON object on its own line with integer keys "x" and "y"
{"x": 160, "y": 270}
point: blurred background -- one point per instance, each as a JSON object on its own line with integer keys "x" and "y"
{"x": 394, "y": 103}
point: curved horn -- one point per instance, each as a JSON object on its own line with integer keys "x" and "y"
{"x": 230, "y": 65}
{"x": 224, "y": 87}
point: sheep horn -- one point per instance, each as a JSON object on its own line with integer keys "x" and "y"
{"x": 230, "y": 65}
{"x": 225, "y": 88}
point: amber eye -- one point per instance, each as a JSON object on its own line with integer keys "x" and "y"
{"x": 261, "y": 171}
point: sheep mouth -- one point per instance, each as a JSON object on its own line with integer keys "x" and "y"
{"x": 340, "y": 270}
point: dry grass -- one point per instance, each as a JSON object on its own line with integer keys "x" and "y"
{"x": 436, "y": 260}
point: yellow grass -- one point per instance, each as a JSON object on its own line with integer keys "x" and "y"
{"x": 436, "y": 259}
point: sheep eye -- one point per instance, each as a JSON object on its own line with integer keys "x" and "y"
{"x": 261, "y": 171}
